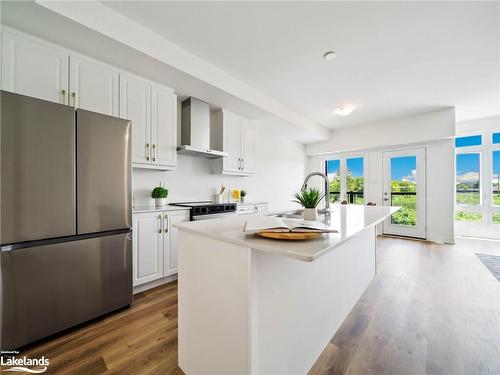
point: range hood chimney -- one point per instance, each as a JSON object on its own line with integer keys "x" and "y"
{"x": 195, "y": 130}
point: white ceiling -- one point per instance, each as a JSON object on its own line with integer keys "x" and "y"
{"x": 393, "y": 59}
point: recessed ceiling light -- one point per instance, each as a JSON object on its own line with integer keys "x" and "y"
{"x": 329, "y": 55}
{"x": 345, "y": 110}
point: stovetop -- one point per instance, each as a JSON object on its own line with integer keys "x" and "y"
{"x": 207, "y": 207}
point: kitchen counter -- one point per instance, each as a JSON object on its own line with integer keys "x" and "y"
{"x": 272, "y": 305}
{"x": 348, "y": 220}
{"x": 141, "y": 209}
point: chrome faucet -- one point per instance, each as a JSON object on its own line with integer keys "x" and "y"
{"x": 327, "y": 189}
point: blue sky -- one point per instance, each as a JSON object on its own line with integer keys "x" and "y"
{"x": 496, "y": 162}
{"x": 403, "y": 168}
{"x": 467, "y": 163}
{"x": 355, "y": 165}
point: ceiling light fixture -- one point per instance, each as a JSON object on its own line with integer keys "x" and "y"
{"x": 345, "y": 110}
{"x": 329, "y": 55}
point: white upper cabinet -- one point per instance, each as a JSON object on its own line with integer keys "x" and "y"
{"x": 34, "y": 68}
{"x": 164, "y": 126}
{"x": 153, "y": 111}
{"x": 238, "y": 140}
{"x": 93, "y": 86}
{"x": 135, "y": 105}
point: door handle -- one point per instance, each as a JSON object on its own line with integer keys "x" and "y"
{"x": 147, "y": 151}
{"x": 160, "y": 225}
{"x": 386, "y": 199}
{"x": 165, "y": 228}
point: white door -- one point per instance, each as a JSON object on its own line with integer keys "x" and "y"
{"x": 147, "y": 234}
{"x": 135, "y": 105}
{"x": 248, "y": 145}
{"x": 231, "y": 137}
{"x": 34, "y": 68}
{"x": 405, "y": 186}
{"x": 164, "y": 126}
{"x": 93, "y": 86}
{"x": 170, "y": 261}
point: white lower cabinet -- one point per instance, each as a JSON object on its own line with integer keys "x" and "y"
{"x": 154, "y": 244}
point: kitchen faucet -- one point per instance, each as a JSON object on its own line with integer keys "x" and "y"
{"x": 327, "y": 189}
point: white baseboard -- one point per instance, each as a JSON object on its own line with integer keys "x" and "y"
{"x": 154, "y": 284}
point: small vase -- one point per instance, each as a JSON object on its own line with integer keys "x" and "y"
{"x": 310, "y": 214}
{"x": 218, "y": 198}
{"x": 160, "y": 202}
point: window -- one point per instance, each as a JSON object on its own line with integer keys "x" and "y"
{"x": 495, "y": 177}
{"x": 495, "y": 138}
{"x": 347, "y": 182}
{"x": 355, "y": 180}
{"x": 333, "y": 173}
{"x": 471, "y": 140}
{"x": 467, "y": 178}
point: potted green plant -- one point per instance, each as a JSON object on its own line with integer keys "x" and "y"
{"x": 309, "y": 199}
{"x": 159, "y": 194}
{"x": 243, "y": 193}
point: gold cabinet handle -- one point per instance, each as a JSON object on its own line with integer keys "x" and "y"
{"x": 73, "y": 95}
{"x": 63, "y": 93}
{"x": 165, "y": 223}
{"x": 154, "y": 152}
{"x": 147, "y": 151}
{"x": 159, "y": 226}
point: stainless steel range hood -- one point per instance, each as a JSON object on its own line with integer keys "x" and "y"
{"x": 195, "y": 130}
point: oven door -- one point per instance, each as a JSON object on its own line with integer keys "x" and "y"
{"x": 213, "y": 216}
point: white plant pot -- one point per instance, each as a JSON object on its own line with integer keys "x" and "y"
{"x": 310, "y": 214}
{"x": 217, "y": 198}
{"x": 242, "y": 199}
{"x": 160, "y": 202}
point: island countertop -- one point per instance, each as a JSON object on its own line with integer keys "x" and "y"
{"x": 348, "y": 220}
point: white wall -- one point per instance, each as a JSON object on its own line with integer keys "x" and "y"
{"x": 489, "y": 123}
{"x": 440, "y": 162}
{"x": 281, "y": 165}
{"x": 419, "y": 128}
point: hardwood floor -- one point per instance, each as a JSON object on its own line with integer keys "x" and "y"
{"x": 432, "y": 309}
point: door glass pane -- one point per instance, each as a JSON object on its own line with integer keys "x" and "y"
{"x": 355, "y": 180}
{"x": 468, "y": 178}
{"x": 404, "y": 190}
{"x": 333, "y": 173}
{"x": 472, "y": 140}
{"x": 496, "y": 178}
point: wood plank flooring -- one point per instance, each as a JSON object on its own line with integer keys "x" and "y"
{"x": 432, "y": 309}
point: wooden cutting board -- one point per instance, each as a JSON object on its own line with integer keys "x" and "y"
{"x": 290, "y": 236}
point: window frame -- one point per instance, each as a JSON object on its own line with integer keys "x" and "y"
{"x": 343, "y": 171}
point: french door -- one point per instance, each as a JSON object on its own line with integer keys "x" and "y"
{"x": 404, "y": 185}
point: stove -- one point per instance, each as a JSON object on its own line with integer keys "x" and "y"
{"x": 208, "y": 209}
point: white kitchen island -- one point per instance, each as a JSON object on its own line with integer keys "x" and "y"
{"x": 249, "y": 305}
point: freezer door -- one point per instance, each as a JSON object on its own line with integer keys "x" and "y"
{"x": 103, "y": 172}
{"x": 47, "y": 289}
{"x": 38, "y": 169}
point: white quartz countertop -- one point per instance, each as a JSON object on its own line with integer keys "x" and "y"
{"x": 348, "y": 220}
{"x": 141, "y": 209}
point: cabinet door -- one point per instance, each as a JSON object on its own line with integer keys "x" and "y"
{"x": 34, "y": 68}
{"x": 147, "y": 236}
{"x": 170, "y": 260}
{"x": 231, "y": 139}
{"x": 247, "y": 131}
{"x": 135, "y": 105}
{"x": 93, "y": 86}
{"x": 164, "y": 126}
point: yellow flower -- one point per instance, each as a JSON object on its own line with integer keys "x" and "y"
{"x": 235, "y": 194}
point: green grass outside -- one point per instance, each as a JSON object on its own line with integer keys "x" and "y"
{"x": 496, "y": 199}
{"x": 496, "y": 218}
{"x": 407, "y": 215}
{"x": 468, "y": 198}
{"x": 471, "y": 217}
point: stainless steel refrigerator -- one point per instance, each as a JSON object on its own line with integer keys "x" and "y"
{"x": 65, "y": 217}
